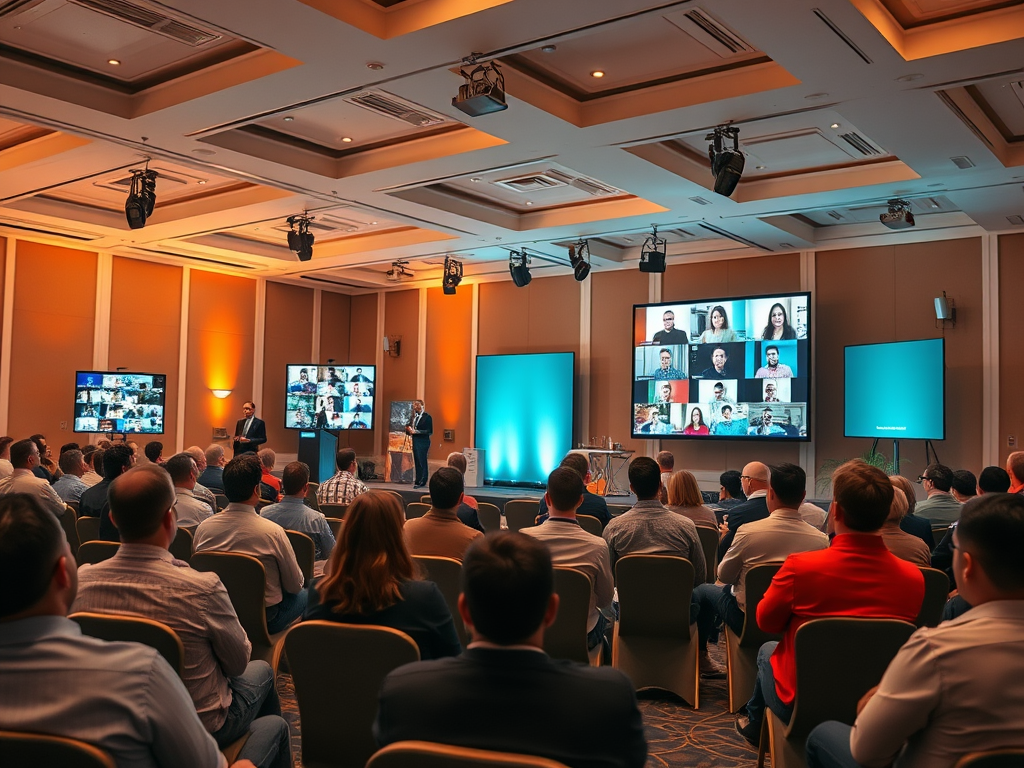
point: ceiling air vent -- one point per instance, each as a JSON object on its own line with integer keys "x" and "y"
{"x": 397, "y": 109}
{"x": 835, "y": 215}
{"x": 151, "y": 19}
{"x": 860, "y": 144}
{"x": 10, "y": 7}
{"x": 963, "y": 162}
{"x": 1015, "y": 220}
{"x": 700, "y": 201}
{"x": 702, "y": 27}
{"x": 592, "y": 187}
{"x": 533, "y": 182}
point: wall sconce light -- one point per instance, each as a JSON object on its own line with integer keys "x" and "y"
{"x": 945, "y": 311}
{"x": 393, "y": 345}
{"x": 220, "y": 394}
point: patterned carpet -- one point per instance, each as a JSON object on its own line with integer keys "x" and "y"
{"x": 677, "y": 736}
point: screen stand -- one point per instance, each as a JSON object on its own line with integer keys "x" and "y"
{"x": 935, "y": 454}
{"x": 895, "y": 455}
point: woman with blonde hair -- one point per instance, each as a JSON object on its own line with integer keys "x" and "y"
{"x": 684, "y": 498}
{"x": 370, "y": 579}
{"x": 911, "y": 523}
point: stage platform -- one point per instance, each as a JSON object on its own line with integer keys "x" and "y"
{"x": 490, "y": 494}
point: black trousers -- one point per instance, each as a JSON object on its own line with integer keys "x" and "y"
{"x": 419, "y": 456}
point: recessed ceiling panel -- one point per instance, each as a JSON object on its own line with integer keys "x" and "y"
{"x": 326, "y": 227}
{"x": 913, "y": 13}
{"x": 533, "y": 187}
{"x": 868, "y": 214}
{"x": 1003, "y": 104}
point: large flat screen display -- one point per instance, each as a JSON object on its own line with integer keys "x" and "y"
{"x": 330, "y": 396}
{"x": 524, "y": 415}
{"x": 916, "y": 410}
{"x": 119, "y": 402}
{"x": 736, "y": 368}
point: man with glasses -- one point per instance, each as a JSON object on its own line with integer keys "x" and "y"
{"x": 940, "y": 506}
{"x": 754, "y": 483}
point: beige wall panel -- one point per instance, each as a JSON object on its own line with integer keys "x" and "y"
{"x": 335, "y": 326}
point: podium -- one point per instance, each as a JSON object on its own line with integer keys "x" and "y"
{"x": 317, "y": 448}
{"x": 475, "y": 462}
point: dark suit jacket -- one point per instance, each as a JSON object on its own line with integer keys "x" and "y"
{"x": 257, "y": 436}
{"x": 919, "y": 527}
{"x": 213, "y": 478}
{"x": 747, "y": 512}
{"x": 593, "y": 505}
{"x": 94, "y": 503}
{"x": 470, "y": 517}
{"x": 426, "y": 426}
{"x": 516, "y": 701}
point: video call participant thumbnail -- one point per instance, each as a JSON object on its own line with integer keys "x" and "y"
{"x": 717, "y": 361}
{"x": 778, "y": 326}
{"x": 772, "y": 368}
{"x": 764, "y": 425}
{"x": 670, "y": 334}
{"x": 695, "y": 425}
{"x": 667, "y": 369}
{"x": 730, "y": 423}
{"x": 718, "y": 331}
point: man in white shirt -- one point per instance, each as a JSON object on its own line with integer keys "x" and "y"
{"x": 200, "y": 491}
{"x": 183, "y": 471}
{"x": 6, "y": 468}
{"x": 25, "y": 458}
{"x": 69, "y": 485}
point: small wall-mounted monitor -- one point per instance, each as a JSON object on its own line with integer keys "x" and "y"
{"x": 119, "y": 401}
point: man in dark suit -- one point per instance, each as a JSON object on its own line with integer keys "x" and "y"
{"x": 421, "y": 427}
{"x": 504, "y": 693}
{"x": 250, "y": 432}
{"x": 754, "y": 482}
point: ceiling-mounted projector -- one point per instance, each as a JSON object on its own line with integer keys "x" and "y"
{"x": 899, "y": 215}
{"x": 483, "y": 89}
{"x": 398, "y": 271}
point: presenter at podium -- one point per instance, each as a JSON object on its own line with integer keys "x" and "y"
{"x": 421, "y": 427}
{"x": 250, "y": 432}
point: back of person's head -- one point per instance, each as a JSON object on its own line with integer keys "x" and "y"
{"x": 458, "y": 461}
{"x": 180, "y": 467}
{"x": 991, "y": 528}
{"x": 993, "y": 480}
{"x": 577, "y": 462}
{"x": 565, "y": 489}
{"x": 899, "y": 506}
{"x": 69, "y": 447}
{"x": 864, "y": 493}
{"x": 683, "y": 490}
{"x": 1015, "y": 465}
{"x": 153, "y": 450}
{"x": 344, "y": 458}
{"x": 198, "y": 454}
{"x": 940, "y": 475}
{"x": 788, "y": 482}
{"x": 731, "y": 481}
{"x": 645, "y": 478}
{"x": 267, "y": 458}
{"x": 666, "y": 460}
{"x": 242, "y": 477}
{"x": 139, "y": 499}
{"x": 370, "y": 561}
{"x": 40, "y": 441}
{"x": 214, "y": 453}
{"x": 70, "y": 461}
{"x": 31, "y": 541}
{"x": 294, "y": 478}
{"x": 97, "y": 461}
{"x": 965, "y": 483}
{"x": 116, "y": 459}
{"x": 507, "y": 579}
{"x": 904, "y": 484}
{"x": 104, "y": 444}
{"x": 87, "y": 451}
{"x": 21, "y": 452}
{"x": 5, "y": 443}
{"x": 446, "y": 485}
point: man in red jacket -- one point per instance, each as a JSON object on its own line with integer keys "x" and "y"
{"x": 857, "y": 576}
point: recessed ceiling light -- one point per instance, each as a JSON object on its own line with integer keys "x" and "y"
{"x": 346, "y": 139}
{"x": 288, "y": 119}
{"x": 529, "y": 203}
{"x": 476, "y": 179}
{"x": 373, "y": 223}
{"x": 376, "y": 66}
{"x": 203, "y": 152}
{"x": 114, "y": 62}
{"x": 351, "y": 229}
{"x": 909, "y": 78}
{"x": 834, "y": 125}
{"x": 549, "y": 48}
{"x": 597, "y": 73}
{"x": 201, "y": 181}
{"x": 760, "y": 167}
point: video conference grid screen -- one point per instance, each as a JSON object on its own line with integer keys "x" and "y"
{"x": 330, "y": 396}
{"x": 119, "y": 402}
{"x": 917, "y": 411}
{"x": 729, "y": 369}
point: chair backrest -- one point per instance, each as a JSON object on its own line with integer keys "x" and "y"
{"x": 88, "y": 529}
{"x": 446, "y": 572}
{"x": 338, "y": 700}
{"x": 709, "y": 543}
{"x": 416, "y": 509}
{"x": 311, "y": 500}
{"x": 590, "y": 524}
{"x": 490, "y": 516}
{"x": 654, "y": 595}
{"x": 334, "y": 510}
{"x": 35, "y": 750}
{"x": 305, "y": 552}
{"x": 521, "y": 513}
{"x": 755, "y": 584}
{"x": 222, "y": 501}
{"x": 567, "y": 637}
{"x": 74, "y": 505}
{"x": 181, "y": 547}
{"x": 69, "y": 522}
{"x": 335, "y": 523}
{"x": 92, "y": 552}
{"x": 936, "y": 592}
{"x": 995, "y": 758}
{"x": 396, "y": 494}
{"x": 837, "y": 661}
{"x": 618, "y": 509}
{"x": 425, "y": 754}
{"x": 245, "y": 579}
{"x": 425, "y": 499}
{"x": 134, "y": 629}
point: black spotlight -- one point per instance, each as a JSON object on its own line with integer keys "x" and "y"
{"x": 579, "y": 257}
{"x": 452, "y": 276}
{"x": 726, "y": 164}
{"x": 519, "y": 267}
{"x": 652, "y": 252}
{"x": 300, "y": 239}
{"x": 899, "y": 215}
{"x": 141, "y": 198}
{"x": 483, "y": 91}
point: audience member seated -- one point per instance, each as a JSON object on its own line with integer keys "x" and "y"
{"x": 467, "y": 513}
{"x": 72, "y": 466}
{"x": 200, "y": 491}
{"x": 213, "y": 475}
{"x": 292, "y": 514}
{"x": 230, "y": 692}
{"x": 45, "y": 469}
{"x": 183, "y": 471}
{"x": 6, "y": 468}
{"x": 1015, "y": 469}
{"x": 94, "y": 474}
{"x": 940, "y": 507}
{"x": 770, "y": 540}
{"x": 813, "y": 515}
{"x": 572, "y": 547}
{"x": 592, "y": 505}
{"x": 911, "y": 523}
{"x": 440, "y": 533}
{"x": 239, "y": 529}
{"x": 667, "y": 462}
{"x": 154, "y": 452}
{"x": 268, "y": 459}
{"x": 730, "y": 494}
{"x": 504, "y": 693}
{"x": 24, "y": 459}
{"x": 684, "y": 498}
{"x": 855, "y": 576}
{"x": 123, "y": 698}
{"x": 343, "y": 486}
{"x": 370, "y": 579}
{"x": 993, "y": 480}
{"x": 457, "y": 460}
{"x": 755, "y": 487}
{"x": 117, "y": 459}
{"x": 959, "y": 687}
{"x": 965, "y": 485}
{"x": 904, "y": 545}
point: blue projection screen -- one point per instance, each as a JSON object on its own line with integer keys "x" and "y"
{"x": 896, "y": 390}
{"x": 524, "y": 415}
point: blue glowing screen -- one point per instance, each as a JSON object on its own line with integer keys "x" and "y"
{"x": 896, "y": 390}
{"x": 524, "y": 414}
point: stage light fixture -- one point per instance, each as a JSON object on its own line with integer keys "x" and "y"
{"x": 452, "y": 276}
{"x": 483, "y": 91}
{"x": 726, "y": 164}
{"x": 141, "y": 198}
{"x": 300, "y": 239}
{"x": 652, "y": 252}
{"x": 579, "y": 257}
{"x": 899, "y": 215}
{"x": 398, "y": 271}
{"x": 519, "y": 268}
